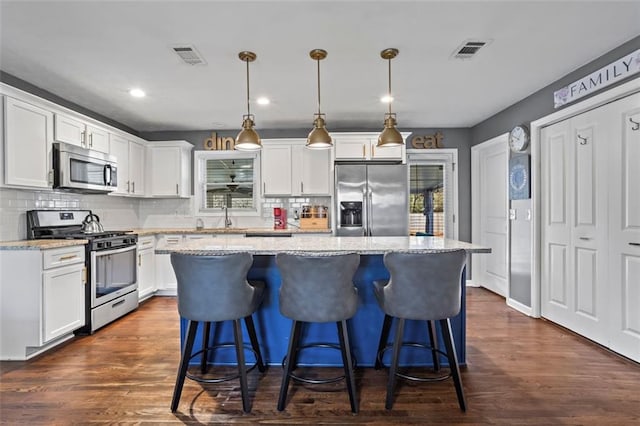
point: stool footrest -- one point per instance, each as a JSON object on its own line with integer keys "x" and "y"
{"x": 410, "y": 377}
{"x": 200, "y": 379}
{"x": 307, "y": 380}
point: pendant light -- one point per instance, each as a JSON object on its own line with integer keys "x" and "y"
{"x": 318, "y": 138}
{"x": 390, "y": 136}
{"x": 247, "y": 139}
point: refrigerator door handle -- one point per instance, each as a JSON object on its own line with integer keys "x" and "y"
{"x": 369, "y": 212}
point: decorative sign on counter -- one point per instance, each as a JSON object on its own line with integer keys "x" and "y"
{"x": 218, "y": 143}
{"x": 427, "y": 141}
{"x": 615, "y": 71}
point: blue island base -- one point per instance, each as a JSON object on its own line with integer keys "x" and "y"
{"x": 273, "y": 329}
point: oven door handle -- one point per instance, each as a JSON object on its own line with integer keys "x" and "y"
{"x": 114, "y": 251}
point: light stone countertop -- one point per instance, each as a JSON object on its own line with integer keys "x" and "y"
{"x": 362, "y": 245}
{"x": 231, "y": 231}
{"x": 40, "y": 244}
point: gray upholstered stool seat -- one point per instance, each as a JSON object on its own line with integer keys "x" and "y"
{"x": 426, "y": 287}
{"x": 318, "y": 288}
{"x": 213, "y": 289}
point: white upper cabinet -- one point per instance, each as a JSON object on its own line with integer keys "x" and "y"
{"x": 77, "y": 132}
{"x": 28, "y": 135}
{"x": 362, "y": 146}
{"x": 311, "y": 170}
{"x": 169, "y": 169}
{"x": 276, "y": 169}
{"x": 289, "y": 168}
{"x": 131, "y": 164}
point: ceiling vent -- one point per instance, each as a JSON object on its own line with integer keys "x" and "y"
{"x": 189, "y": 54}
{"x": 469, "y": 48}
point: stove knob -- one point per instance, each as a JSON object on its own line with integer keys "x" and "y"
{"x": 100, "y": 245}
{"x": 108, "y": 243}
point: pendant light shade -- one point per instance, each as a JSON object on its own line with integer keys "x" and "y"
{"x": 390, "y": 136}
{"x": 247, "y": 139}
{"x": 318, "y": 138}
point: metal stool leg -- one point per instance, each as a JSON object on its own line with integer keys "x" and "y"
{"x": 384, "y": 335}
{"x": 184, "y": 364}
{"x": 206, "y": 329}
{"x": 244, "y": 387}
{"x": 286, "y": 374}
{"x": 433, "y": 340}
{"x": 397, "y": 343}
{"x": 251, "y": 329}
{"x": 453, "y": 361}
{"x": 345, "y": 349}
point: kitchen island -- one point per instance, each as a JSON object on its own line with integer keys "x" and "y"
{"x": 273, "y": 329}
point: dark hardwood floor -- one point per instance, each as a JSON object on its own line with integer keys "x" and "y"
{"x": 519, "y": 371}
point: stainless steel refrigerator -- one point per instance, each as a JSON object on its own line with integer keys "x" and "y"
{"x": 372, "y": 200}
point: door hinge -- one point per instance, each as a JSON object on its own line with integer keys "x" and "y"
{"x": 453, "y": 167}
{"x": 454, "y": 218}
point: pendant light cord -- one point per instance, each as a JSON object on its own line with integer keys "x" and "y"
{"x": 318, "y": 62}
{"x": 389, "y": 85}
{"x": 248, "y": 104}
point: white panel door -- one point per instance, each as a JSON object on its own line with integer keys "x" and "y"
{"x": 556, "y": 223}
{"x": 575, "y": 222}
{"x": 491, "y": 208}
{"x": 624, "y": 235}
{"x": 590, "y": 142}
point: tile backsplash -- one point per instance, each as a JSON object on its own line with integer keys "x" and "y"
{"x": 114, "y": 212}
{"x": 129, "y": 213}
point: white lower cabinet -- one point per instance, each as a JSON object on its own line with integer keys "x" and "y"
{"x": 146, "y": 267}
{"x": 166, "y": 282}
{"x": 42, "y": 299}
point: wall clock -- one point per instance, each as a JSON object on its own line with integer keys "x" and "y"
{"x": 519, "y": 177}
{"x": 519, "y": 138}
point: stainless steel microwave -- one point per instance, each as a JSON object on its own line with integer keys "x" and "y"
{"x": 83, "y": 170}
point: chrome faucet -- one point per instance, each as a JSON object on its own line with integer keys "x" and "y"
{"x": 227, "y": 219}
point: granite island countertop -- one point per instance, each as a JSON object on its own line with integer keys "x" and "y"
{"x": 361, "y": 245}
{"x": 228, "y": 231}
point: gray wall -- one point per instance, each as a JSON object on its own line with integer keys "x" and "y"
{"x": 453, "y": 138}
{"x": 533, "y": 107}
{"x": 540, "y": 103}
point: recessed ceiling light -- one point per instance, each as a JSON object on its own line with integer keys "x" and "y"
{"x": 386, "y": 99}
{"x": 137, "y": 93}
{"x": 263, "y": 101}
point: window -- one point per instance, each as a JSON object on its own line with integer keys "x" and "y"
{"x": 226, "y": 179}
{"x": 432, "y": 188}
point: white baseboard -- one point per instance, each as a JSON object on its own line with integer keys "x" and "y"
{"x": 470, "y": 283}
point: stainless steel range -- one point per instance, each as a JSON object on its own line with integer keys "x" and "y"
{"x": 110, "y": 261}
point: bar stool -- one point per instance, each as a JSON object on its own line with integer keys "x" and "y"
{"x": 426, "y": 287}
{"x": 318, "y": 288}
{"x": 213, "y": 289}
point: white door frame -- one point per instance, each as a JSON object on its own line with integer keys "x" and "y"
{"x": 475, "y": 202}
{"x": 449, "y": 157}
{"x": 536, "y": 128}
